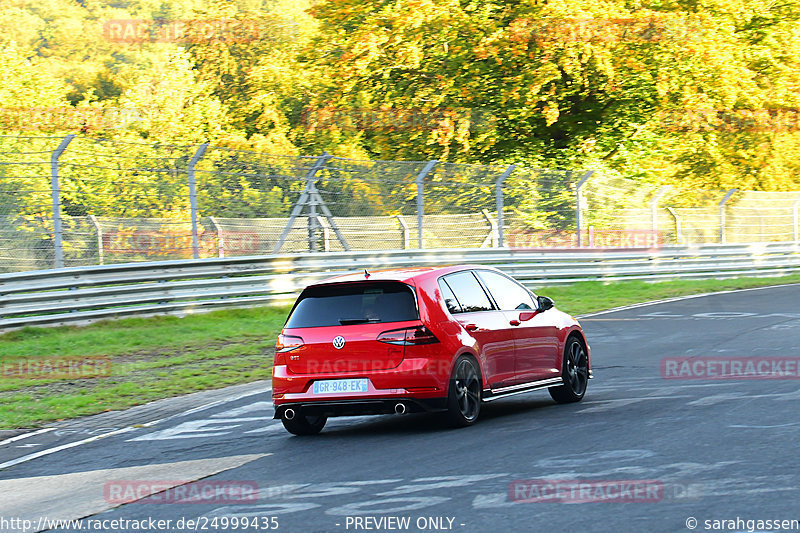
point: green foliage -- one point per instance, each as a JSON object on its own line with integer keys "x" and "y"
{"x": 699, "y": 96}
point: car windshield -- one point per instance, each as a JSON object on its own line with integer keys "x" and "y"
{"x": 354, "y": 303}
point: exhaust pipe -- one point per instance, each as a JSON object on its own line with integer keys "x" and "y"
{"x": 288, "y": 414}
{"x": 400, "y": 409}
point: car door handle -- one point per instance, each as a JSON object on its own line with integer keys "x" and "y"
{"x": 514, "y": 322}
{"x": 470, "y": 327}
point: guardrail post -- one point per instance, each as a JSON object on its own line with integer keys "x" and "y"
{"x": 220, "y": 237}
{"x": 578, "y": 198}
{"x": 722, "y": 203}
{"x": 55, "y": 189}
{"x": 201, "y": 150}
{"x": 404, "y": 232}
{"x": 421, "y": 199}
{"x": 500, "y": 200}
{"x": 678, "y": 229}
{"x": 796, "y": 220}
{"x": 99, "y": 231}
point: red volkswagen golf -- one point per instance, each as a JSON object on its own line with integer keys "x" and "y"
{"x": 421, "y": 340}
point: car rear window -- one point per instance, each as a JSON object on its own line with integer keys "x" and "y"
{"x": 354, "y": 303}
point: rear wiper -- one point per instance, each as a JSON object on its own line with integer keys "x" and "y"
{"x": 351, "y": 321}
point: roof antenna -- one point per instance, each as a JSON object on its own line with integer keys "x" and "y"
{"x": 366, "y": 274}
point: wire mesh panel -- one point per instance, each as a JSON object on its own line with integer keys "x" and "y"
{"x": 26, "y": 212}
{"x": 365, "y": 199}
{"x": 121, "y": 202}
{"x": 456, "y": 200}
{"x": 123, "y": 240}
{"x": 539, "y": 208}
{"x": 243, "y": 184}
{"x": 758, "y": 216}
{"x": 138, "y": 194}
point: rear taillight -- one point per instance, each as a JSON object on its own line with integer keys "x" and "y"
{"x": 287, "y": 343}
{"x": 408, "y": 336}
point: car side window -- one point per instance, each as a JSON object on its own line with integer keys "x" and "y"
{"x": 468, "y": 292}
{"x": 449, "y": 298}
{"x": 507, "y": 293}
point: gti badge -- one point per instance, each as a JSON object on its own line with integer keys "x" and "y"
{"x": 338, "y": 342}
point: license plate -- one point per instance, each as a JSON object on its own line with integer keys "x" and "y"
{"x": 340, "y": 386}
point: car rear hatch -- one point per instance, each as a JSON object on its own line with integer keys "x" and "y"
{"x": 347, "y": 327}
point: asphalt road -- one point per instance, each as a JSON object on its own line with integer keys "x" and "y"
{"x": 714, "y": 449}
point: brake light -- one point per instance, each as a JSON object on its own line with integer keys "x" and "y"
{"x": 287, "y": 343}
{"x": 408, "y": 336}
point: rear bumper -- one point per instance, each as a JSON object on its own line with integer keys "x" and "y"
{"x": 365, "y": 406}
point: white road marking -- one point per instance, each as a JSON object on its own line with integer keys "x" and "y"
{"x": 605, "y": 405}
{"x": 261, "y": 510}
{"x": 245, "y": 409}
{"x": 272, "y": 428}
{"x": 81, "y": 494}
{"x": 441, "y": 482}
{"x": 30, "y": 457}
{"x": 493, "y": 500}
{"x": 388, "y": 505}
{"x": 198, "y": 429}
{"x": 25, "y": 436}
{"x": 721, "y": 398}
{"x": 764, "y": 427}
{"x": 49, "y": 451}
{"x": 681, "y": 298}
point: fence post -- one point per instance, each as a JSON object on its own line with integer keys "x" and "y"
{"x": 55, "y": 189}
{"x": 722, "y": 214}
{"x": 421, "y": 199}
{"x": 678, "y": 230}
{"x": 578, "y": 199}
{"x": 326, "y": 233}
{"x": 99, "y": 231}
{"x": 654, "y": 210}
{"x": 494, "y": 236}
{"x": 220, "y": 237}
{"x": 404, "y": 233}
{"x": 309, "y": 193}
{"x": 796, "y": 219}
{"x": 201, "y": 150}
{"x": 312, "y": 223}
{"x": 500, "y": 200}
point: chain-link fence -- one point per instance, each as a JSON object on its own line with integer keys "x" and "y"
{"x": 81, "y": 201}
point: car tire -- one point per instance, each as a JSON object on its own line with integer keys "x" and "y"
{"x": 575, "y": 372}
{"x": 464, "y": 393}
{"x": 305, "y": 425}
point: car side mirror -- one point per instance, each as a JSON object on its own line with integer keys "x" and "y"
{"x": 544, "y": 303}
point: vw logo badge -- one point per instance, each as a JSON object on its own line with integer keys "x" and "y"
{"x": 338, "y": 342}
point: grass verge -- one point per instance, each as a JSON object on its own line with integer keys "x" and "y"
{"x": 152, "y": 358}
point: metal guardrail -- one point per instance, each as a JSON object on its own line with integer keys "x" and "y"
{"x": 85, "y": 294}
